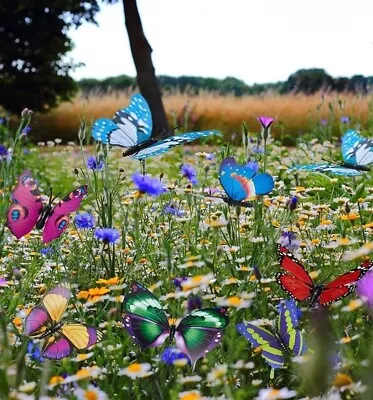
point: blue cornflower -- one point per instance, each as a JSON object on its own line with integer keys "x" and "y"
{"x": 190, "y": 173}
{"x": 210, "y": 156}
{"x": 147, "y": 184}
{"x": 257, "y": 149}
{"x": 173, "y": 210}
{"x": 94, "y": 164}
{"x": 46, "y": 250}
{"x": 289, "y": 240}
{"x": 84, "y": 220}
{"x": 172, "y": 354}
{"x": 252, "y": 165}
{"x": 107, "y": 235}
{"x": 34, "y": 352}
{"x": 345, "y": 119}
{"x": 3, "y": 151}
{"x": 2, "y": 120}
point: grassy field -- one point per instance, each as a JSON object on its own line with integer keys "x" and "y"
{"x": 190, "y": 251}
{"x": 295, "y": 113}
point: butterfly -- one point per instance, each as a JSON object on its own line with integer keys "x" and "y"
{"x": 276, "y": 342}
{"x": 296, "y": 281}
{"x": 28, "y": 210}
{"x": 357, "y": 154}
{"x": 131, "y": 128}
{"x": 241, "y": 183}
{"x": 44, "y": 322}
{"x": 196, "y": 334}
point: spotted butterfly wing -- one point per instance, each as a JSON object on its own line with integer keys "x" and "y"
{"x": 241, "y": 183}
{"x": 356, "y": 149}
{"x": 200, "y": 332}
{"x": 58, "y": 220}
{"x": 144, "y": 318}
{"x": 27, "y": 205}
{"x": 276, "y": 342}
{"x": 131, "y": 128}
{"x": 44, "y": 322}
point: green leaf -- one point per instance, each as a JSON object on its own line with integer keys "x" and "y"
{"x": 358, "y": 193}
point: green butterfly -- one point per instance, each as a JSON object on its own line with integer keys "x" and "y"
{"x": 147, "y": 323}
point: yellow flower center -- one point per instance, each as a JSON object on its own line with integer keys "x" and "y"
{"x": 191, "y": 396}
{"x": 234, "y": 301}
{"x": 90, "y": 395}
{"x": 133, "y": 368}
{"x": 342, "y": 380}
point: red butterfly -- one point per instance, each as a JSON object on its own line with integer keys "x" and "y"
{"x": 28, "y": 210}
{"x": 296, "y": 281}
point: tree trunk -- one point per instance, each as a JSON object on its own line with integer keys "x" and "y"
{"x": 146, "y": 78}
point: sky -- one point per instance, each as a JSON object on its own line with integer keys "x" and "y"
{"x": 257, "y": 41}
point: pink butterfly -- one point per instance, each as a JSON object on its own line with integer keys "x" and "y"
{"x": 28, "y": 210}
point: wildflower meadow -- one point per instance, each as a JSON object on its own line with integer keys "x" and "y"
{"x": 203, "y": 270}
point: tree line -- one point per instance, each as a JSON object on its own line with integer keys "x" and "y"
{"x": 308, "y": 81}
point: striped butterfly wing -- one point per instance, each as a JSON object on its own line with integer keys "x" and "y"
{"x": 329, "y": 168}
{"x": 144, "y": 318}
{"x": 271, "y": 347}
{"x": 287, "y": 324}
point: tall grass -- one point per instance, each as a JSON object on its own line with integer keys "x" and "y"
{"x": 295, "y": 113}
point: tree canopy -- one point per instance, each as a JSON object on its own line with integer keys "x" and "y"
{"x": 34, "y": 69}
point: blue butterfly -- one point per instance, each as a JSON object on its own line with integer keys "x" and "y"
{"x": 357, "y": 154}
{"x": 131, "y": 128}
{"x": 241, "y": 183}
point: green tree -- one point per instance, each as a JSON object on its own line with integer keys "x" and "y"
{"x": 33, "y": 69}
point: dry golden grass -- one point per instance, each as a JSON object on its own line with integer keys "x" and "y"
{"x": 294, "y": 113}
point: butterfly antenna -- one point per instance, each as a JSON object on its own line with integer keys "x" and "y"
{"x": 54, "y": 198}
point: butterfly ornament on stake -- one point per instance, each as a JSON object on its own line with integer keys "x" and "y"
{"x": 296, "y": 281}
{"x": 277, "y": 342}
{"x": 59, "y": 339}
{"x": 357, "y": 154}
{"x": 131, "y": 128}
{"x": 28, "y": 210}
{"x": 196, "y": 334}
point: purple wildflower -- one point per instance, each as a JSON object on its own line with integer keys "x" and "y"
{"x": 257, "y": 149}
{"x": 292, "y": 203}
{"x": 26, "y": 130}
{"x": 34, "y": 352}
{"x": 147, "y": 184}
{"x": 289, "y": 240}
{"x": 94, "y": 164}
{"x": 172, "y": 354}
{"x": 178, "y": 281}
{"x": 324, "y": 122}
{"x": 252, "y": 165}
{"x": 190, "y": 173}
{"x": 266, "y": 122}
{"x": 3, "y": 151}
{"x": 209, "y": 156}
{"x": 3, "y": 282}
{"x": 345, "y": 119}
{"x": 107, "y": 235}
{"x": 194, "y": 303}
{"x": 84, "y": 220}
{"x": 365, "y": 289}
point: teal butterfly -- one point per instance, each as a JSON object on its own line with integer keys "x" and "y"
{"x": 196, "y": 334}
{"x": 276, "y": 342}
